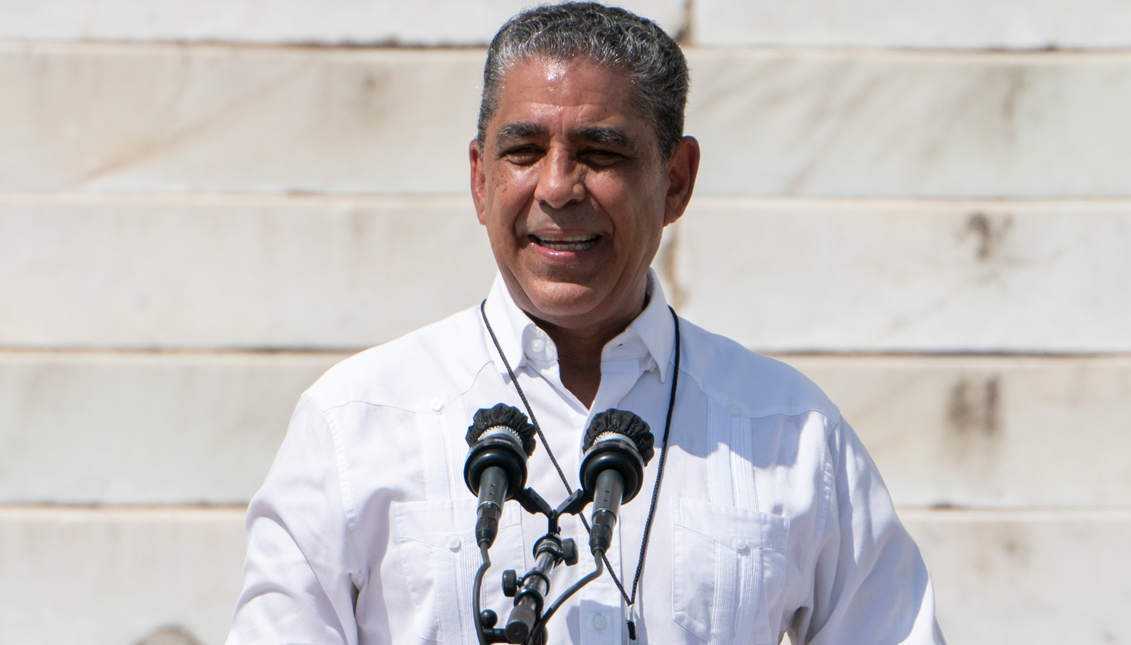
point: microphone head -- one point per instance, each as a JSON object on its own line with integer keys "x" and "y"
{"x": 505, "y": 416}
{"x": 501, "y": 438}
{"x": 624, "y": 423}
{"x": 616, "y": 440}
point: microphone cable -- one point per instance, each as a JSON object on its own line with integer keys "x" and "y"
{"x": 477, "y": 592}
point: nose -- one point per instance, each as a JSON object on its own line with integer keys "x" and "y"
{"x": 561, "y": 181}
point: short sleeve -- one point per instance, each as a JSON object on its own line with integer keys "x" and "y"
{"x": 871, "y": 584}
{"x": 298, "y": 575}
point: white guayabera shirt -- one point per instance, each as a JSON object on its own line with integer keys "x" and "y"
{"x": 772, "y": 517}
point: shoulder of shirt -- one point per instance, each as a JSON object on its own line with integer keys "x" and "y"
{"x": 749, "y": 384}
{"x": 434, "y": 363}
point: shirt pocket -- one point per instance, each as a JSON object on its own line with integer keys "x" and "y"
{"x": 728, "y": 568}
{"x": 439, "y": 557}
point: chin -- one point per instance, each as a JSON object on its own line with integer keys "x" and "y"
{"x": 560, "y": 301}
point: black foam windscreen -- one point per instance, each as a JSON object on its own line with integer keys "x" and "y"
{"x": 624, "y": 423}
{"x": 503, "y": 415}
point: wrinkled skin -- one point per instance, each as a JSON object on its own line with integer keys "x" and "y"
{"x": 575, "y": 194}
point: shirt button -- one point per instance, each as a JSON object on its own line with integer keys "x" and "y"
{"x": 437, "y": 405}
{"x": 734, "y": 410}
{"x": 454, "y": 542}
{"x": 537, "y": 346}
{"x": 600, "y": 622}
{"x": 738, "y": 543}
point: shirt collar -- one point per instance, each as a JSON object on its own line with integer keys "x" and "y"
{"x": 516, "y": 332}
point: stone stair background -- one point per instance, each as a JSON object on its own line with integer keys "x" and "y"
{"x": 204, "y": 204}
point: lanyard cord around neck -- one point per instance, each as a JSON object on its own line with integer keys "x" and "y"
{"x": 630, "y": 601}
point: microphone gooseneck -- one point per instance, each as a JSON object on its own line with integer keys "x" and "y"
{"x": 617, "y": 445}
{"x": 501, "y": 439}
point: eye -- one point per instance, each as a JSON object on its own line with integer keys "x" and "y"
{"x": 523, "y": 155}
{"x": 600, "y": 157}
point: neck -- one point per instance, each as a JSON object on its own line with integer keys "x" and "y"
{"x": 579, "y": 360}
{"x": 580, "y": 342}
{"x": 579, "y": 354}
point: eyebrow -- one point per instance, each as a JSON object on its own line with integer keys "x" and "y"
{"x": 519, "y": 130}
{"x": 594, "y": 134}
{"x": 606, "y": 136}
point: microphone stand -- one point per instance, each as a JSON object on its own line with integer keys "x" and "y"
{"x": 527, "y": 623}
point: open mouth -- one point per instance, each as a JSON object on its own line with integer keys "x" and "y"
{"x": 570, "y": 244}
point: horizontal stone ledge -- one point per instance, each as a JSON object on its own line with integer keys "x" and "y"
{"x": 125, "y": 575}
{"x": 337, "y": 272}
{"x": 989, "y": 431}
{"x": 132, "y": 514}
{"x": 771, "y": 121}
{"x": 91, "y": 428}
{"x": 235, "y": 273}
{"x": 353, "y": 22}
{"x": 1040, "y": 577}
{"x": 905, "y": 276}
{"x": 827, "y": 123}
{"x": 197, "y": 428}
{"x": 223, "y": 118}
{"x": 919, "y": 515}
{"x": 462, "y": 198}
{"x": 1028, "y": 578}
{"x": 1044, "y": 24}
{"x": 879, "y": 23}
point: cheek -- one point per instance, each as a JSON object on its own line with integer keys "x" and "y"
{"x": 507, "y": 196}
{"x": 508, "y": 189}
{"x": 636, "y": 207}
{"x": 615, "y": 194}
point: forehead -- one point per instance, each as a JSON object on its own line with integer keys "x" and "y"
{"x": 571, "y": 93}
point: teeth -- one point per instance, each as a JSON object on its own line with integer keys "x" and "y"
{"x": 579, "y": 244}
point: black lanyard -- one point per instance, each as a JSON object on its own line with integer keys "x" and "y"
{"x": 630, "y": 601}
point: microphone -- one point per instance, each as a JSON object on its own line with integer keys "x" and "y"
{"x": 617, "y": 446}
{"x": 501, "y": 439}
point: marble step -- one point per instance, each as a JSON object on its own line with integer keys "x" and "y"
{"x": 119, "y": 117}
{"x": 200, "y": 428}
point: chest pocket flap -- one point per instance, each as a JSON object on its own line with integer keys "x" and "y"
{"x": 728, "y": 568}
{"x": 439, "y": 557}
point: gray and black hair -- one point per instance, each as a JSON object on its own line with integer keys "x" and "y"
{"x": 610, "y": 37}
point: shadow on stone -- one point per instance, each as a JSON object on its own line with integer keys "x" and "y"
{"x": 170, "y": 635}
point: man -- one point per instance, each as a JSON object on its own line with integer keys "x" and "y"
{"x": 770, "y": 516}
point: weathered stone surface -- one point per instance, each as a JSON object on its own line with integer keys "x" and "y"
{"x": 170, "y": 635}
{"x": 1028, "y": 24}
{"x": 776, "y": 275}
{"x": 785, "y": 275}
{"x": 820, "y": 123}
{"x": 215, "y": 118}
{"x": 144, "y": 429}
{"x": 286, "y": 273}
{"x": 1033, "y": 577}
{"x": 189, "y": 428}
{"x": 220, "y": 118}
{"x": 115, "y": 577}
{"x": 354, "y": 22}
{"x": 990, "y": 432}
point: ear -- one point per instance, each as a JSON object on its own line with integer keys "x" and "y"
{"x": 683, "y": 167}
{"x": 478, "y": 181}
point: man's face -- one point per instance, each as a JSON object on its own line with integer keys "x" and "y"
{"x": 574, "y": 192}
